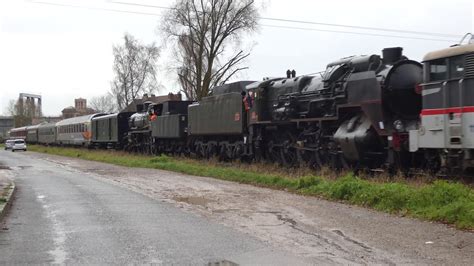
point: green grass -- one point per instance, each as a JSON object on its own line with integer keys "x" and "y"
{"x": 442, "y": 201}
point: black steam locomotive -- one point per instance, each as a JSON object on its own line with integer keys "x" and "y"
{"x": 357, "y": 113}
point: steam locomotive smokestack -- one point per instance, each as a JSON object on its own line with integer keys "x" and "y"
{"x": 288, "y": 74}
{"x": 392, "y": 55}
{"x": 293, "y": 73}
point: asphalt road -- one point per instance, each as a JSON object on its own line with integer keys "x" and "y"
{"x": 66, "y": 216}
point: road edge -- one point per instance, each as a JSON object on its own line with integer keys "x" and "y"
{"x": 4, "y": 208}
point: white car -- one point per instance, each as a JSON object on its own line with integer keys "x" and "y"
{"x": 9, "y": 144}
{"x": 19, "y": 144}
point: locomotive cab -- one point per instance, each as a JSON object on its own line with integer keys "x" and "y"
{"x": 447, "y": 117}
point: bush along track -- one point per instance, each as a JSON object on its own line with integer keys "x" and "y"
{"x": 442, "y": 201}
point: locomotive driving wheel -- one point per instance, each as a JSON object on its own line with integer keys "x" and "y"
{"x": 282, "y": 149}
{"x": 329, "y": 154}
{"x": 309, "y": 150}
{"x": 272, "y": 152}
{"x": 336, "y": 159}
{"x": 288, "y": 152}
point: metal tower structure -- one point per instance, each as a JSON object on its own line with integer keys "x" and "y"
{"x": 30, "y": 104}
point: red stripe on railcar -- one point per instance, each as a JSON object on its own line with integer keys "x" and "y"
{"x": 443, "y": 111}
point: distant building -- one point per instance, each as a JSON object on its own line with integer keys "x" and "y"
{"x": 132, "y": 107}
{"x": 80, "y": 108}
{"x": 81, "y": 104}
{"x": 6, "y": 123}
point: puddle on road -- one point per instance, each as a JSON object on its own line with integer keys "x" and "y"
{"x": 194, "y": 200}
{"x": 4, "y": 167}
{"x": 20, "y": 167}
{"x": 223, "y": 263}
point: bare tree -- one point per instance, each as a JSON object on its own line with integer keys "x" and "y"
{"x": 135, "y": 70}
{"x": 104, "y": 103}
{"x": 22, "y": 116}
{"x": 11, "y": 108}
{"x": 203, "y": 30}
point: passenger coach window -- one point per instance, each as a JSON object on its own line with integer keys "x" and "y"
{"x": 456, "y": 67}
{"x": 438, "y": 70}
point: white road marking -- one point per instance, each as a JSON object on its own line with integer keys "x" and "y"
{"x": 59, "y": 238}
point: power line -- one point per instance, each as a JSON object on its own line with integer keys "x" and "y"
{"x": 314, "y": 22}
{"x": 140, "y": 5}
{"x": 362, "y": 27}
{"x": 358, "y": 33}
{"x": 96, "y": 8}
{"x": 264, "y": 25}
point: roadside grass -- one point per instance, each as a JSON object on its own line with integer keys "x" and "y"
{"x": 439, "y": 200}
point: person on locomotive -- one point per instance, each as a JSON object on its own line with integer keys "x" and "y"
{"x": 152, "y": 113}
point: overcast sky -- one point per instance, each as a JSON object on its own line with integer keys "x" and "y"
{"x": 65, "y": 52}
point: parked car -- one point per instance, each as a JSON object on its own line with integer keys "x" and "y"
{"x": 8, "y": 144}
{"x": 19, "y": 144}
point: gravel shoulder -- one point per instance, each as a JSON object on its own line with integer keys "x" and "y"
{"x": 305, "y": 226}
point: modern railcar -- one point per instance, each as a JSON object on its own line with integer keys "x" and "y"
{"x": 47, "y": 134}
{"x": 18, "y": 133}
{"x": 76, "y": 131}
{"x": 32, "y": 134}
{"x": 446, "y": 131}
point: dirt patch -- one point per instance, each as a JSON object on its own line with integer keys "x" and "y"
{"x": 193, "y": 200}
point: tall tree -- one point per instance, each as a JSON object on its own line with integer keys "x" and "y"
{"x": 203, "y": 30}
{"x": 103, "y": 103}
{"x": 134, "y": 70}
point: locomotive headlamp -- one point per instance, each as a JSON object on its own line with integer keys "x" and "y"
{"x": 398, "y": 125}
